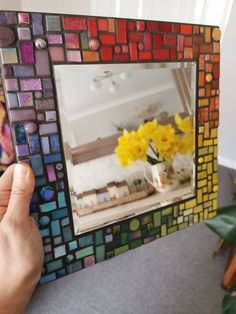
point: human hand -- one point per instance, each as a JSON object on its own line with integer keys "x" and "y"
{"x": 21, "y": 249}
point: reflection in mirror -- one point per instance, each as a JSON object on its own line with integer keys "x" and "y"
{"x": 128, "y": 135}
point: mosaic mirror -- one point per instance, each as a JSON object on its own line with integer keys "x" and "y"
{"x": 118, "y": 119}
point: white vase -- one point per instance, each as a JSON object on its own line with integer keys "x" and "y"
{"x": 159, "y": 177}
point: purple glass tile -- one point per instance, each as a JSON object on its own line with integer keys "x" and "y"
{"x": 31, "y": 84}
{"x": 47, "y": 88}
{"x": 11, "y": 84}
{"x": 73, "y": 55}
{"x": 23, "y": 18}
{"x": 48, "y": 128}
{"x": 24, "y": 33}
{"x": 12, "y": 101}
{"x": 22, "y": 115}
{"x": 37, "y": 24}
{"x": 22, "y": 150}
{"x": 8, "y": 70}
{"x": 45, "y": 104}
{"x": 53, "y": 23}
{"x": 51, "y": 116}
{"x": 40, "y": 117}
{"x": 42, "y": 63}
{"x": 51, "y": 174}
{"x": 27, "y": 53}
{"x": 8, "y": 17}
{"x": 55, "y": 39}
{"x": 26, "y": 99}
{"x": 23, "y": 70}
{"x": 57, "y": 54}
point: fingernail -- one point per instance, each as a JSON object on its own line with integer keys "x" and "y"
{"x": 21, "y": 170}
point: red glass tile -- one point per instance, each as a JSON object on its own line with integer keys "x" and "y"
{"x": 121, "y": 31}
{"x": 207, "y": 48}
{"x": 173, "y": 53}
{"x": 216, "y": 70}
{"x": 196, "y": 29}
{"x": 180, "y": 56}
{"x": 120, "y": 57}
{"x": 201, "y": 78}
{"x": 72, "y": 40}
{"x": 145, "y": 55}
{"x": 208, "y": 67}
{"x": 188, "y": 53}
{"x": 92, "y": 27}
{"x": 188, "y": 41}
{"x": 186, "y": 29}
{"x": 148, "y": 41}
{"x": 90, "y": 56}
{"x": 117, "y": 49}
{"x": 135, "y": 37}
{"x": 175, "y": 28}
{"x": 180, "y": 43}
{"x": 151, "y": 26}
{"x": 133, "y": 51}
{"x": 107, "y": 39}
{"x": 215, "y": 84}
{"x": 165, "y": 27}
{"x": 131, "y": 25}
{"x": 201, "y": 62}
{"x": 75, "y": 23}
{"x": 198, "y": 39}
{"x": 106, "y": 53}
{"x": 208, "y": 90}
{"x": 140, "y": 25}
{"x": 195, "y": 51}
{"x": 125, "y": 49}
{"x": 141, "y": 46}
{"x": 158, "y": 40}
{"x": 214, "y": 115}
{"x": 102, "y": 25}
{"x": 170, "y": 40}
{"x": 161, "y": 54}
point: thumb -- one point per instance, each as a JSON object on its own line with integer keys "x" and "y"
{"x": 21, "y": 193}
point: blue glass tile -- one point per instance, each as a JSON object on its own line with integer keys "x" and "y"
{"x": 86, "y": 241}
{"x": 59, "y": 251}
{"x": 8, "y": 17}
{"x": 69, "y": 258}
{"x": 47, "y": 193}
{"x": 44, "y": 220}
{"x": 34, "y": 207}
{"x": 47, "y": 278}
{"x": 108, "y": 238}
{"x": 37, "y": 165}
{"x": 61, "y": 273}
{"x": 57, "y": 240}
{"x": 40, "y": 181}
{"x": 45, "y": 145}
{"x": 61, "y": 199}
{"x": 76, "y": 266}
{"x": 12, "y": 100}
{"x": 55, "y": 265}
{"x": 23, "y": 70}
{"x": 48, "y": 257}
{"x": 67, "y": 234}
{"x": 52, "y": 158}
{"x": 55, "y": 145}
{"x": 55, "y": 226}
{"x": 47, "y": 207}
{"x": 60, "y": 213}
{"x": 20, "y": 133}
{"x": 73, "y": 245}
{"x": 37, "y": 24}
{"x": 65, "y": 221}
{"x": 34, "y": 143}
{"x": 60, "y": 185}
{"x": 44, "y": 233}
{"x": 34, "y": 198}
{"x": 47, "y": 248}
{"x": 99, "y": 237}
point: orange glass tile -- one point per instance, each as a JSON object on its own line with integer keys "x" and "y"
{"x": 203, "y": 102}
{"x": 196, "y": 29}
{"x": 216, "y": 70}
{"x": 207, "y": 48}
{"x": 89, "y": 56}
{"x": 201, "y": 62}
{"x": 212, "y": 104}
{"x": 201, "y": 78}
{"x": 186, "y": 29}
{"x": 180, "y": 55}
{"x": 208, "y": 67}
{"x": 201, "y": 92}
{"x": 188, "y": 53}
{"x": 188, "y": 41}
{"x": 207, "y": 34}
{"x": 195, "y": 51}
{"x": 111, "y": 25}
{"x": 215, "y": 58}
{"x": 208, "y": 90}
{"x": 216, "y": 47}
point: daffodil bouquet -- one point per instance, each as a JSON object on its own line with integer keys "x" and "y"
{"x": 154, "y": 142}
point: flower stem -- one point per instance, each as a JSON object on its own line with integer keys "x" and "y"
{"x": 153, "y": 150}
{"x": 152, "y": 161}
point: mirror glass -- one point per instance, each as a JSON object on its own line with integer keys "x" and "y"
{"x": 128, "y": 136}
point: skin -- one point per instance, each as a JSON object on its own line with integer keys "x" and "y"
{"x": 21, "y": 249}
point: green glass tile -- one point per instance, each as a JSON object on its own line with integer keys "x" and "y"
{"x": 61, "y": 199}
{"x": 84, "y": 41}
{"x": 157, "y": 219}
{"x": 150, "y": 226}
{"x": 116, "y": 229}
{"x": 172, "y": 229}
{"x": 100, "y": 253}
{"x": 86, "y": 241}
{"x": 163, "y": 230}
{"x": 57, "y": 264}
{"x": 84, "y": 252}
{"x": 124, "y": 237}
{"x": 47, "y": 207}
{"x": 67, "y": 234}
{"x": 124, "y": 226}
{"x": 134, "y": 225}
{"x": 110, "y": 254}
{"x": 99, "y": 237}
{"x": 167, "y": 211}
{"x": 121, "y": 249}
{"x": 108, "y": 230}
{"x": 135, "y": 243}
{"x": 183, "y": 225}
{"x": 154, "y": 231}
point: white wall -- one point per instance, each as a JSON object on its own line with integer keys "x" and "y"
{"x": 10, "y": 5}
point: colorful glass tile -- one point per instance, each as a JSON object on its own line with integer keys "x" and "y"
{"x": 73, "y": 55}
{"x": 25, "y": 99}
{"x": 22, "y": 70}
{"x": 53, "y": 23}
{"x": 51, "y": 115}
{"x": 44, "y": 220}
{"x": 51, "y": 173}
{"x": 55, "y": 39}
{"x": 106, "y": 53}
{"x": 89, "y": 261}
{"x": 45, "y": 104}
{"x": 8, "y": 17}
{"x": 121, "y": 31}
{"x": 11, "y": 84}
{"x": 8, "y": 56}
{"x": 59, "y": 251}
{"x": 94, "y": 44}
{"x": 30, "y": 84}
{"x": 55, "y": 227}
{"x": 45, "y": 144}
{"x": 42, "y": 63}
{"x": 74, "y": 23}
{"x": 72, "y": 41}
{"x": 57, "y": 54}
{"x": 34, "y": 143}
{"x": 23, "y": 18}
{"x": 48, "y": 207}
{"x": 92, "y": 27}
{"x": 24, "y": 33}
{"x": 20, "y": 134}
{"x": 90, "y": 56}
{"x": 26, "y": 53}
{"x": 107, "y": 39}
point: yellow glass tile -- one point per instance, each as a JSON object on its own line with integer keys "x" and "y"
{"x": 206, "y": 130}
{"x": 211, "y": 149}
{"x": 215, "y": 141}
{"x": 199, "y": 196}
{"x": 198, "y": 209}
{"x": 212, "y": 214}
{"x": 203, "y": 151}
{"x": 215, "y": 178}
{"x": 215, "y": 188}
{"x": 204, "y": 167}
{"x": 163, "y": 230}
{"x": 207, "y": 204}
{"x": 202, "y": 29}
{"x": 180, "y": 219}
{"x": 201, "y": 129}
{"x": 207, "y": 34}
{"x": 205, "y": 198}
{"x": 215, "y": 165}
{"x": 200, "y": 160}
{"x": 216, "y": 47}
{"x": 188, "y": 212}
{"x": 201, "y": 217}
{"x": 212, "y": 196}
{"x": 203, "y": 102}
{"x": 190, "y": 204}
{"x": 209, "y": 185}
{"x": 215, "y": 151}
{"x": 205, "y": 214}
{"x": 195, "y": 219}
{"x": 214, "y": 203}
{"x": 208, "y": 142}
{"x": 201, "y": 175}
{"x": 209, "y": 168}
{"x": 216, "y": 34}
{"x": 202, "y": 183}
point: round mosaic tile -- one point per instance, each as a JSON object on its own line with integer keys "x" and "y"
{"x": 134, "y": 224}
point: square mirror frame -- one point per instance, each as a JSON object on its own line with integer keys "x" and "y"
{"x": 30, "y": 45}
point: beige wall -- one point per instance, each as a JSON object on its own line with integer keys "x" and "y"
{"x": 10, "y": 5}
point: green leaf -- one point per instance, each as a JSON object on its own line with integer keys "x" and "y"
{"x": 229, "y": 303}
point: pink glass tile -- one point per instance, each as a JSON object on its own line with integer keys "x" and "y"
{"x": 73, "y": 55}
{"x": 48, "y": 128}
{"x": 102, "y": 25}
{"x": 72, "y": 41}
{"x": 11, "y": 84}
{"x": 89, "y": 261}
{"x": 45, "y": 104}
{"x": 55, "y": 39}
{"x": 23, "y": 18}
{"x": 42, "y": 63}
{"x": 180, "y": 43}
{"x": 133, "y": 51}
{"x": 26, "y": 53}
{"x": 57, "y": 54}
{"x": 31, "y": 84}
{"x": 25, "y": 99}
{"x": 51, "y": 174}
{"x": 22, "y": 115}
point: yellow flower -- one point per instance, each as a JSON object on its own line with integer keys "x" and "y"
{"x": 184, "y": 125}
{"x": 147, "y": 130}
{"x": 138, "y": 146}
{"x": 164, "y": 137}
{"x": 168, "y": 154}
{"x": 185, "y": 144}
